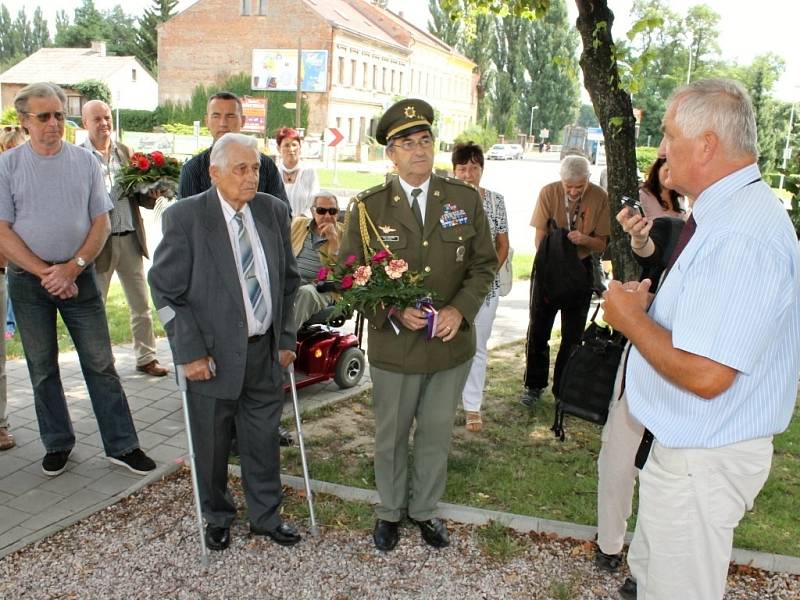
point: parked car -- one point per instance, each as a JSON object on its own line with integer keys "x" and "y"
{"x": 501, "y": 152}
{"x": 518, "y": 150}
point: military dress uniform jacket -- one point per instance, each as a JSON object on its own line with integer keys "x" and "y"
{"x": 455, "y": 249}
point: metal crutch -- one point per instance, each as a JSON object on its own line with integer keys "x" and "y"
{"x": 166, "y": 314}
{"x": 314, "y": 530}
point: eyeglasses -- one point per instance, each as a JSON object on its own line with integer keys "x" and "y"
{"x": 321, "y": 210}
{"x": 44, "y": 117}
{"x": 8, "y": 128}
{"x": 409, "y": 145}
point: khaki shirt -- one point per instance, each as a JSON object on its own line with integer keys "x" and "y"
{"x": 592, "y": 218}
{"x": 459, "y": 258}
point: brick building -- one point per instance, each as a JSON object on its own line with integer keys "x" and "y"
{"x": 374, "y": 57}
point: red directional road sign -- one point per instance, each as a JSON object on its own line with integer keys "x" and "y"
{"x": 337, "y": 136}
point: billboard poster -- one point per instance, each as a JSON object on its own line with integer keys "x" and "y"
{"x": 277, "y": 70}
{"x": 254, "y": 110}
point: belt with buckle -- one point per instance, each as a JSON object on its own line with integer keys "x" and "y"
{"x": 121, "y": 233}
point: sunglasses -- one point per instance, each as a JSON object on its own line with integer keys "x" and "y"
{"x": 8, "y": 128}
{"x": 333, "y": 211}
{"x": 44, "y": 117}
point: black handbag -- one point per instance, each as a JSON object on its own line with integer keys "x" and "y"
{"x": 587, "y": 382}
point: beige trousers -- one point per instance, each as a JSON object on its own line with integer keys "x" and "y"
{"x": 126, "y": 260}
{"x": 690, "y": 502}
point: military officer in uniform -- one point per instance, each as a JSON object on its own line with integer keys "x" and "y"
{"x": 438, "y": 226}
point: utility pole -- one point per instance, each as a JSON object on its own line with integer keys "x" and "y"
{"x": 299, "y": 95}
{"x": 530, "y": 127}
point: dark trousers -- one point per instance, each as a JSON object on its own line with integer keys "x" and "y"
{"x": 256, "y": 414}
{"x": 540, "y": 326}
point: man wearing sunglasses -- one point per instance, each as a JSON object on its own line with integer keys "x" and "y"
{"x": 315, "y": 242}
{"x": 53, "y": 222}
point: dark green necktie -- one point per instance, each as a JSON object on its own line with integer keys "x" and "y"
{"x": 415, "y": 205}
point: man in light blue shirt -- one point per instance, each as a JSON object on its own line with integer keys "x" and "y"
{"x": 713, "y": 369}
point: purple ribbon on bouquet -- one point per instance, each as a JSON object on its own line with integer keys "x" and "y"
{"x": 426, "y": 305}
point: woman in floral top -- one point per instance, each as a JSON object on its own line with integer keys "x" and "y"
{"x": 468, "y": 166}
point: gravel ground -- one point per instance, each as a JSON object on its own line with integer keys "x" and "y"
{"x": 146, "y": 547}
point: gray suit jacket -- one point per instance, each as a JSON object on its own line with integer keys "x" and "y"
{"x": 194, "y": 272}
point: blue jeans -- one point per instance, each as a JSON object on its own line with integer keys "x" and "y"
{"x": 85, "y": 318}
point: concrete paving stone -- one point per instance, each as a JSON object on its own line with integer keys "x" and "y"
{"x": 46, "y": 518}
{"x": 28, "y": 412}
{"x": 29, "y": 452}
{"x": 164, "y": 454}
{"x": 92, "y": 439}
{"x": 10, "y": 517}
{"x": 150, "y": 439}
{"x": 66, "y": 483}
{"x": 153, "y": 393}
{"x": 5, "y": 498}
{"x": 12, "y": 464}
{"x": 114, "y": 482}
{"x": 166, "y": 427}
{"x": 81, "y": 500}
{"x": 95, "y": 468}
{"x": 85, "y": 425}
{"x": 176, "y": 415}
{"x": 20, "y": 482}
{"x": 170, "y": 403}
{"x": 138, "y": 402}
{"x": 150, "y": 414}
{"x": 35, "y": 500}
{"x": 177, "y": 441}
{"x": 82, "y": 452}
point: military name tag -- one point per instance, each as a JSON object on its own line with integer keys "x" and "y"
{"x": 390, "y": 238}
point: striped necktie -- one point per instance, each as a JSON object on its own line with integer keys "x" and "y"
{"x": 247, "y": 260}
{"x": 415, "y": 205}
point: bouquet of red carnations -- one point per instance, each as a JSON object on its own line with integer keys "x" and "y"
{"x": 147, "y": 172}
{"x": 381, "y": 282}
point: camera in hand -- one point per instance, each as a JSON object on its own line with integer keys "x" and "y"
{"x": 633, "y": 204}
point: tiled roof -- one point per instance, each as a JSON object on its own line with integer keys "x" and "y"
{"x": 340, "y": 13}
{"x": 66, "y": 66}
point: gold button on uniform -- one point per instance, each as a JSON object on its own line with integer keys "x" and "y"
{"x": 427, "y": 269}
{"x": 425, "y": 243}
{"x": 460, "y": 239}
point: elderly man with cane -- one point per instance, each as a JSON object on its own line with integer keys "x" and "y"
{"x": 225, "y": 267}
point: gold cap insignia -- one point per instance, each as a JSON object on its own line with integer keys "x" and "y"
{"x": 410, "y": 112}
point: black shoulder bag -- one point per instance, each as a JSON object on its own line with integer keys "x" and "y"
{"x": 587, "y": 382}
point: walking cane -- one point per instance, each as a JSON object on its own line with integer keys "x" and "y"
{"x": 314, "y": 530}
{"x": 166, "y": 314}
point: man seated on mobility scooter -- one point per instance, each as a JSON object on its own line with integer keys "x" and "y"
{"x": 321, "y": 353}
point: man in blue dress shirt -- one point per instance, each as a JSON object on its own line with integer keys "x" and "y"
{"x": 713, "y": 370}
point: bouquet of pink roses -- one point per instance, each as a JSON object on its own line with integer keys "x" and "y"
{"x": 383, "y": 281}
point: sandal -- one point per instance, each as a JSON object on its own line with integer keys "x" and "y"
{"x": 474, "y": 422}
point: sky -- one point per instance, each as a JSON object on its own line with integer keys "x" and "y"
{"x": 744, "y": 31}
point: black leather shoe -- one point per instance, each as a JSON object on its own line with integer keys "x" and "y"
{"x": 385, "y": 535}
{"x": 628, "y": 589}
{"x": 217, "y": 538}
{"x": 284, "y": 534}
{"x": 286, "y": 436}
{"x": 530, "y": 396}
{"x": 607, "y": 562}
{"x": 434, "y": 532}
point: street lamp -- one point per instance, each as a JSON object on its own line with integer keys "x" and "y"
{"x": 689, "y": 70}
{"x": 530, "y": 127}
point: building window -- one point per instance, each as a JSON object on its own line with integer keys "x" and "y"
{"x": 341, "y": 70}
{"x": 374, "y": 77}
{"x": 366, "y": 72}
{"x": 246, "y": 6}
{"x": 391, "y": 84}
{"x": 262, "y": 8}
{"x": 400, "y": 83}
{"x": 133, "y": 74}
{"x": 361, "y": 130}
{"x": 74, "y": 105}
{"x": 353, "y": 73}
{"x": 383, "y": 80}
{"x": 350, "y": 129}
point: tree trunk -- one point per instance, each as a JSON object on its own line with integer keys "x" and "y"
{"x": 612, "y": 104}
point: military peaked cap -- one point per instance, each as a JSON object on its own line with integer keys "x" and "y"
{"x": 404, "y": 118}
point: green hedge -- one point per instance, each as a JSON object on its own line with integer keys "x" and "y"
{"x": 645, "y": 157}
{"x": 484, "y": 137}
{"x": 137, "y": 120}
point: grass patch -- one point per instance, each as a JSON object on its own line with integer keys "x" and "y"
{"x": 499, "y": 542}
{"x": 119, "y": 325}
{"x": 347, "y": 179}
{"x": 522, "y": 263}
{"x": 516, "y": 465}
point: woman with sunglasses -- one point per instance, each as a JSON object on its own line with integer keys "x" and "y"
{"x": 300, "y": 182}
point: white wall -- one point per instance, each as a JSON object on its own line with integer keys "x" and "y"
{"x": 141, "y": 94}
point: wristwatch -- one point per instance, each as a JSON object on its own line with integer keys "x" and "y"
{"x": 80, "y": 262}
